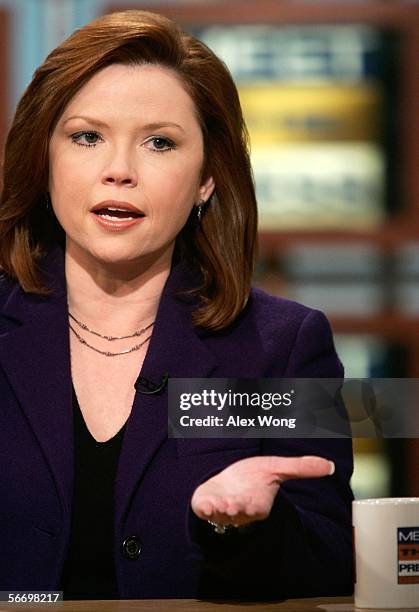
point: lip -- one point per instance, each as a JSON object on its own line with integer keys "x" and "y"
{"x": 117, "y": 226}
{"x": 117, "y": 204}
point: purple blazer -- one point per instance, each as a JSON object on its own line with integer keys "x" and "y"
{"x": 302, "y": 549}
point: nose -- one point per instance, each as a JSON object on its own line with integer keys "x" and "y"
{"x": 120, "y": 171}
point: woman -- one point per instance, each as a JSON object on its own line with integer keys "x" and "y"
{"x": 128, "y": 226}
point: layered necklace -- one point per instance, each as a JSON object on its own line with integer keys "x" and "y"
{"x": 84, "y": 327}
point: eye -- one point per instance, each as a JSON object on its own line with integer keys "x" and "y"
{"x": 160, "y": 144}
{"x": 85, "y": 139}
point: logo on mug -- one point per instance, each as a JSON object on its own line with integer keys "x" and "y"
{"x": 408, "y": 555}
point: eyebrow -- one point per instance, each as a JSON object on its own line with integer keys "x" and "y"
{"x": 149, "y": 126}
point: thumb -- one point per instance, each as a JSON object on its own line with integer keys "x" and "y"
{"x": 308, "y": 466}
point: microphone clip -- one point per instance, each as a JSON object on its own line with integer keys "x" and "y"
{"x": 150, "y": 387}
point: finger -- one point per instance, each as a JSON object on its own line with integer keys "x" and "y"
{"x": 235, "y": 504}
{"x": 206, "y": 508}
{"x": 203, "y": 505}
{"x": 212, "y": 503}
{"x": 251, "y": 509}
{"x": 203, "y": 510}
{"x": 308, "y": 466}
{"x": 233, "y": 509}
{"x": 238, "y": 520}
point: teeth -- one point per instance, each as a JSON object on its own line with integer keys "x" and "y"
{"x": 117, "y": 218}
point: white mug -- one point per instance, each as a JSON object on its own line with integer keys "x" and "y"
{"x": 386, "y": 541}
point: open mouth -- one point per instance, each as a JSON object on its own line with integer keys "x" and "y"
{"x": 115, "y": 214}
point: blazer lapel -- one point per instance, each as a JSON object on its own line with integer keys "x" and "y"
{"x": 34, "y": 354}
{"x": 175, "y": 349}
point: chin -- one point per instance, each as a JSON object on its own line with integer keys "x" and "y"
{"x": 122, "y": 255}
{"x": 117, "y": 260}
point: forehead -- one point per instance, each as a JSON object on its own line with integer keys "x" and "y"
{"x": 153, "y": 91}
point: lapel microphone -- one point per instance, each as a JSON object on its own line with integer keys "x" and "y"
{"x": 149, "y": 387}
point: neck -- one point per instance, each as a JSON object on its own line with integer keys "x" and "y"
{"x": 115, "y": 298}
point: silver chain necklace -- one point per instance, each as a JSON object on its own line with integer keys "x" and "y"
{"x": 108, "y": 353}
{"x": 139, "y": 332}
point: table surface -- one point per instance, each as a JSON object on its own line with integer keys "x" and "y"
{"x": 324, "y": 604}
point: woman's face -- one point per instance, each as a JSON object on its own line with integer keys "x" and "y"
{"x": 125, "y": 162}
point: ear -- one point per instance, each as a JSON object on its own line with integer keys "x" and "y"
{"x": 206, "y": 189}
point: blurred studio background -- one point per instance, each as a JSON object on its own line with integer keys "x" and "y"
{"x": 330, "y": 92}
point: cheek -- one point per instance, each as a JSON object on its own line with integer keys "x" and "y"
{"x": 169, "y": 201}
{"x": 169, "y": 204}
{"x": 68, "y": 178}
{"x": 173, "y": 188}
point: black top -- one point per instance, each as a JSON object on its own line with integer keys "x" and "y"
{"x": 89, "y": 570}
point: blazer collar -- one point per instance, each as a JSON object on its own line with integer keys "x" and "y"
{"x": 35, "y": 356}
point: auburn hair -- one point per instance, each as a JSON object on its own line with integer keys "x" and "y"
{"x": 223, "y": 246}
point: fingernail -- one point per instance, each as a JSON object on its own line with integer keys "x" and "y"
{"x": 332, "y": 468}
